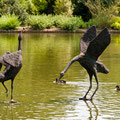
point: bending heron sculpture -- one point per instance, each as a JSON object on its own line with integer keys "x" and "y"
{"x": 91, "y": 47}
{"x": 13, "y": 63}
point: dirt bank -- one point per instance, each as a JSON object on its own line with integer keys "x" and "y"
{"x": 52, "y": 30}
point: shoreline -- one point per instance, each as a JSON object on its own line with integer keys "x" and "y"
{"x": 51, "y": 30}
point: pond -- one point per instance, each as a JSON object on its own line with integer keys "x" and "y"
{"x": 39, "y": 98}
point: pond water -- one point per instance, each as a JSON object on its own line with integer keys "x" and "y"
{"x": 39, "y": 98}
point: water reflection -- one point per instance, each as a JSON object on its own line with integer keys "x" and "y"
{"x": 92, "y": 110}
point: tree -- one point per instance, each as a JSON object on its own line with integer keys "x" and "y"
{"x": 102, "y": 7}
{"x": 80, "y": 9}
{"x": 63, "y": 7}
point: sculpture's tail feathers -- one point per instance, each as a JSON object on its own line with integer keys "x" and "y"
{"x": 101, "y": 68}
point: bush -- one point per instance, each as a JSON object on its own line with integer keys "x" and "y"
{"x": 66, "y": 23}
{"x": 100, "y": 22}
{"x": 116, "y": 26}
{"x": 8, "y": 22}
{"x": 69, "y": 23}
{"x": 115, "y": 23}
{"x": 40, "y": 22}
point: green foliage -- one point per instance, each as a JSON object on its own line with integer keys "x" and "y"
{"x": 17, "y": 7}
{"x": 103, "y": 12}
{"x": 116, "y": 26}
{"x": 41, "y": 5}
{"x": 69, "y": 23}
{"x": 66, "y": 23}
{"x": 40, "y": 22}
{"x": 102, "y": 7}
{"x": 116, "y": 19}
{"x": 31, "y": 8}
{"x": 8, "y": 22}
{"x": 115, "y": 23}
{"x": 63, "y": 7}
{"x": 6, "y": 6}
{"x": 100, "y": 22}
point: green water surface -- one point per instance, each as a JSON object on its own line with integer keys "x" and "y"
{"x": 39, "y": 98}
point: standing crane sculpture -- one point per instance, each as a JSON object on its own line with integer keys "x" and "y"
{"x": 91, "y": 47}
{"x": 13, "y": 63}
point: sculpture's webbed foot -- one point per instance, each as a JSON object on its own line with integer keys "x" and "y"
{"x": 12, "y": 101}
{"x": 60, "y": 81}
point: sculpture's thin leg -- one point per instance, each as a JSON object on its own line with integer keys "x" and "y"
{"x": 90, "y": 75}
{"x": 12, "y": 89}
{"x": 84, "y": 98}
{"x": 5, "y": 88}
{"x": 95, "y": 75}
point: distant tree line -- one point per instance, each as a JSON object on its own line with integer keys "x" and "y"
{"x": 93, "y": 12}
{"x": 36, "y": 7}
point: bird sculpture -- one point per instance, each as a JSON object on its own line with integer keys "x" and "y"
{"x": 13, "y": 63}
{"x": 91, "y": 47}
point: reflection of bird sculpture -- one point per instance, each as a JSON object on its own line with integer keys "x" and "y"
{"x": 91, "y": 47}
{"x": 13, "y": 64}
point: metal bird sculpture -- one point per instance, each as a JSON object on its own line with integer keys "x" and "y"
{"x": 91, "y": 47}
{"x": 13, "y": 63}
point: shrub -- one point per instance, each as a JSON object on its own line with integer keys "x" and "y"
{"x": 66, "y": 23}
{"x": 8, "y": 22}
{"x": 102, "y": 12}
{"x": 116, "y": 26}
{"x": 40, "y": 22}
{"x": 100, "y": 21}
{"x": 69, "y": 23}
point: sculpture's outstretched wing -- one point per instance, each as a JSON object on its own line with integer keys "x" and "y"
{"x": 98, "y": 45}
{"x": 14, "y": 59}
{"x": 87, "y": 38}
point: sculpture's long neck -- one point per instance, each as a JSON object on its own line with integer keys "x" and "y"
{"x": 19, "y": 45}
{"x": 19, "y": 39}
{"x": 70, "y": 63}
